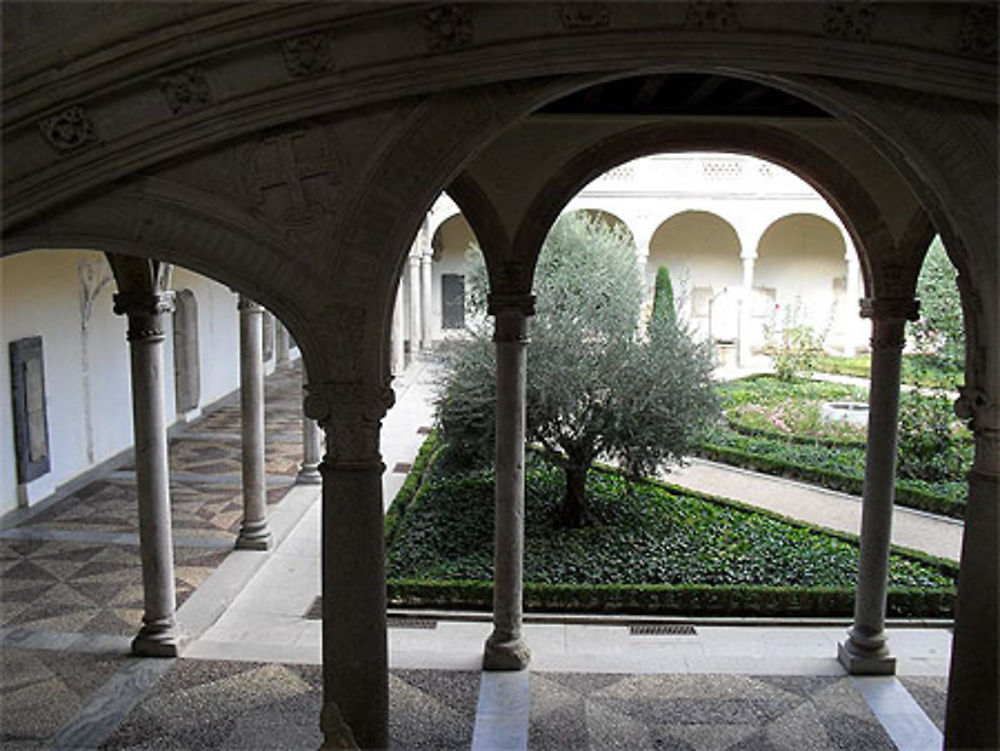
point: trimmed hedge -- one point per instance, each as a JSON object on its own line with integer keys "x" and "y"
{"x": 411, "y": 486}
{"x": 671, "y": 599}
{"x": 906, "y": 493}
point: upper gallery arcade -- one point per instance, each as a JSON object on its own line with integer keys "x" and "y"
{"x": 292, "y": 152}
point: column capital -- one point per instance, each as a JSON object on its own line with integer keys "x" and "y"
{"x": 351, "y": 413}
{"x": 145, "y": 313}
{"x": 246, "y": 305}
{"x": 890, "y": 308}
{"x": 498, "y": 303}
{"x": 983, "y": 416}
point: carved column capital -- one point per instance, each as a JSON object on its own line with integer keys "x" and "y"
{"x": 246, "y": 305}
{"x": 511, "y": 312}
{"x": 145, "y": 313}
{"x": 889, "y": 316}
{"x": 983, "y": 416}
{"x": 351, "y": 413}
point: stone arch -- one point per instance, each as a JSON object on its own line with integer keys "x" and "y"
{"x": 452, "y": 241}
{"x": 702, "y": 252}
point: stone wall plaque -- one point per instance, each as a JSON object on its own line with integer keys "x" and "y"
{"x": 31, "y": 434}
{"x": 187, "y": 360}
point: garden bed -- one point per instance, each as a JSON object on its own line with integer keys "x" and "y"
{"x": 775, "y": 428}
{"x": 655, "y": 549}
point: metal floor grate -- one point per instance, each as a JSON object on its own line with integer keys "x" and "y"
{"x": 402, "y": 468}
{"x": 661, "y": 629}
{"x": 422, "y": 623}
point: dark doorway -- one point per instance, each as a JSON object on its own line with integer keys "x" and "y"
{"x": 452, "y": 301}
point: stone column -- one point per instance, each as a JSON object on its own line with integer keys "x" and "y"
{"x": 281, "y": 340}
{"x": 505, "y": 647}
{"x": 158, "y": 635}
{"x": 974, "y": 677}
{"x": 398, "y": 334}
{"x": 312, "y": 449}
{"x": 746, "y": 310}
{"x": 254, "y": 532}
{"x": 426, "y": 287}
{"x": 852, "y": 294}
{"x": 415, "y": 329}
{"x": 355, "y": 657}
{"x": 865, "y": 651}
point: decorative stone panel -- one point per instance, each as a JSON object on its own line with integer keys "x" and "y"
{"x": 447, "y": 27}
{"x": 978, "y": 33}
{"x": 709, "y": 15}
{"x": 186, "y": 91}
{"x": 68, "y": 131}
{"x": 308, "y": 55}
{"x": 584, "y": 15}
{"x": 850, "y": 20}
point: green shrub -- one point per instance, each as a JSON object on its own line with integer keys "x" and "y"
{"x": 664, "y": 311}
{"x": 930, "y": 443}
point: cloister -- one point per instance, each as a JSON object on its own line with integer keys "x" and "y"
{"x": 292, "y": 152}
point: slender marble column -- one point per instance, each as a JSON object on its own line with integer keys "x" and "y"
{"x": 355, "y": 656}
{"x": 254, "y": 532}
{"x": 505, "y": 647}
{"x": 746, "y": 309}
{"x": 398, "y": 334}
{"x": 974, "y": 678}
{"x": 282, "y": 344}
{"x": 426, "y": 286}
{"x": 158, "y": 635}
{"x": 851, "y": 291}
{"x": 865, "y": 651}
{"x": 415, "y": 328}
{"x": 312, "y": 449}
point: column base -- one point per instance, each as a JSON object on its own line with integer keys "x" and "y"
{"x": 255, "y": 537}
{"x": 511, "y": 654}
{"x": 158, "y": 640}
{"x": 309, "y": 475}
{"x": 866, "y": 656}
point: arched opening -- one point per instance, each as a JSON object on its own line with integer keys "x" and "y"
{"x": 702, "y": 252}
{"x": 451, "y": 243}
{"x": 801, "y": 278}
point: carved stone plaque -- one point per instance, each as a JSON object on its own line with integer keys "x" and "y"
{"x": 31, "y": 434}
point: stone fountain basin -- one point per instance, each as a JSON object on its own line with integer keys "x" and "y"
{"x": 855, "y": 413}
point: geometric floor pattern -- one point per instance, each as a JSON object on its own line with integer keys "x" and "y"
{"x": 211, "y": 704}
{"x": 85, "y": 588}
{"x": 703, "y": 712}
{"x": 40, "y": 690}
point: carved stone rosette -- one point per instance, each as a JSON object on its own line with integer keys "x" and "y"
{"x": 712, "y": 15}
{"x": 351, "y": 414}
{"x": 447, "y": 27}
{"x": 978, "y": 33}
{"x": 145, "y": 313}
{"x": 186, "y": 91}
{"x": 308, "y": 55}
{"x": 850, "y": 20}
{"x": 70, "y": 130}
{"x": 584, "y": 15}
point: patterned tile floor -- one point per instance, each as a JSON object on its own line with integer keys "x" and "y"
{"x": 210, "y": 704}
{"x": 708, "y": 712}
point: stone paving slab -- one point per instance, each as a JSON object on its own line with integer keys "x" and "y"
{"x": 703, "y": 712}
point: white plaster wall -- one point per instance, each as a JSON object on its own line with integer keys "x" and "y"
{"x": 450, "y": 242}
{"x": 41, "y": 297}
{"x": 41, "y": 294}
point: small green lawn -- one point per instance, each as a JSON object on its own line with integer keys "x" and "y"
{"x": 651, "y": 542}
{"x": 919, "y": 369}
{"x": 774, "y": 427}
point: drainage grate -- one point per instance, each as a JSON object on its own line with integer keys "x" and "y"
{"x": 661, "y": 629}
{"x": 423, "y": 623}
{"x": 424, "y": 430}
{"x": 402, "y": 468}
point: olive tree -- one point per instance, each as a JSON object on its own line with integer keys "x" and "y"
{"x": 598, "y": 386}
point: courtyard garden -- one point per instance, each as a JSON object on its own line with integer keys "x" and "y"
{"x": 651, "y": 548}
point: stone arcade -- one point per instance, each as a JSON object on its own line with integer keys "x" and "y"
{"x": 292, "y": 152}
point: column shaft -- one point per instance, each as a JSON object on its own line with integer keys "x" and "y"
{"x": 157, "y": 637}
{"x": 312, "y": 450}
{"x": 355, "y": 656}
{"x": 746, "y": 311}
{"x": 865, "y": 651}
{"x": 426, "y": 287}
{"x": 415, "y": 329}
{"x": 282, "y": 343}
{"x": 398, "y": 334}
{"x": 974, "y": 678}
{"x": 254, "y": 531}
{"x": 505, "y": 648}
